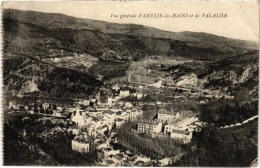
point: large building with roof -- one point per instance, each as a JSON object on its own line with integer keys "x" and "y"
{"x": 182, "y": 136}
{"x": 149, "y": 127}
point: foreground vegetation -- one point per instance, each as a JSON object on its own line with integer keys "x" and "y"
{"x": 230, "y": 147}
{"x": 155, "y": 148}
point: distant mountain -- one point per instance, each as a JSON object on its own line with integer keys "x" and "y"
{"x": 97, "y": 37}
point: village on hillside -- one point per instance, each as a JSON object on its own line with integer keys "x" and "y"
{"x": 94, "y": 122}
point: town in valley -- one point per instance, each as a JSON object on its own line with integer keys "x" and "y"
{"x": 81, "y": 92}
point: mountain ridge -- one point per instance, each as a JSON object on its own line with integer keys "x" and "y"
{"x": 65, "y": 21}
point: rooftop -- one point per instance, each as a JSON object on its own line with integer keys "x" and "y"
{"x": 149, "y": 122}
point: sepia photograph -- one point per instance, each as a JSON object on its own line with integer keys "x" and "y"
{"x": 130, "y": 83}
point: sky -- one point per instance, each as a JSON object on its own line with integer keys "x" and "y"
{"x": 242, "y": 21}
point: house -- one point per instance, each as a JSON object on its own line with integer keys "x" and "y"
{"x": 124, "y": 93}
{"x": 134, "y": 114}
{"x": 80, "y": 146}
{"x": 165, "y": 161}
{"x": 149, "y": 127}
{"x": 168, "y": 128}
{"x": 182, "y": 136}
{"x": 84, "y": 102}
{"x": 138, "y": 95}
{"x": 110, "y": 101}
{"x": 188, "y": 121}
{"x": 167, "y": 116}
{"x": 93, "y": 100}
{"x": 60, "y": 108}
{"x": 57, "y": 113}
{"x": 128, "y": 104}
{"x": 45, "y": 106}
{"x": 119, "y": 122}
{"x": 13, "y": 105}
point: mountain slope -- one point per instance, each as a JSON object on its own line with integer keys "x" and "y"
{"x": 26, "y": 76}
{"x": 84, "y": 34}
{"x": 42, "y": 36}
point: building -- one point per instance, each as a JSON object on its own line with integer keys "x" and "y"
{"x": 119, "y": 122}
{"x": 182, "y": 136}
{"x": 134, "y": 114}
{"x": 169, "y": 128}
{"x": 45, "y": 106}
{"x": 79, "y": 117}
{"x": 128, "y": 104}
{"x": 138, "y": 95}
{"x": 13, "y": 105}
{"x": 188, "y": 121}
{"x": 124, "y": 93}
{"x": 110, "y": 101}
{"x": 149, "y": 127}
{"x": 164, "y": 116}
{"x": 80, "y": 146}
{"x": 84, "y": 102}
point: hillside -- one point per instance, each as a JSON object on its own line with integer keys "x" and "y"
{"x": 41, "y": 37}
{"x": 27, "y": 76}
{"x": 47, "y": 30}
{"x": 231, "y": 74}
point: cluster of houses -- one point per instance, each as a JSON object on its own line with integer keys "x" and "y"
{"x": 177, "y": 125}
{"x": 102, "y": 118}
{"x": 45, "y": 108}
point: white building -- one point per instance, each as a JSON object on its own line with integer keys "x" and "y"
{"x": 133, "y": 115}
{"x": 182, "y": 136}
{"x": 124, "y": 93}
{"x": 169, "y": 128}
{"x": 12, "y": 105}
{"x": 111, "y": 101}
{"x": 57, "y": 113}
{"x": 84, "y": 102}
{"x": 149, "y": 127}
{"x": 168, "y": 116}
{"x": 80, "y": 146}
{"x": 128, "y": 104}
{"x": 59, "y": 108}
{"x": 79, "y": 117}
{"x": 119, "y": 122}
{"x": 45, "y": 106}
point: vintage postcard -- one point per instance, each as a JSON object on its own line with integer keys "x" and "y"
{"x": 127, "y": 84}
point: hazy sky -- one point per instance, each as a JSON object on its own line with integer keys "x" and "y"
{"x": 242, "y": 20}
